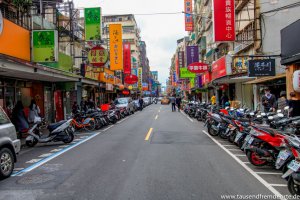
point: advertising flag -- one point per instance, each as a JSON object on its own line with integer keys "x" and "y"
{"x": 116, "y": 47}
{"x": 140, "y": 76}
{"x": 92, "y": 23}
{"x": 44, "y": 46}
{"x": 127, "y": 58}
{"x": 224, "y": 20}
{"x": 188, "y": 17}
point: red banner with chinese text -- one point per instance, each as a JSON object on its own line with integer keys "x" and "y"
{"x": 127, "y": 58}
{"x": 224, "y": 20}
{"x": 188, "y": 18}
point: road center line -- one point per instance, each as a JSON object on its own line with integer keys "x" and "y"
{"x": 156, "y": 117}
{"x": 148, "y": 134}
{"x": 260, "y": 179}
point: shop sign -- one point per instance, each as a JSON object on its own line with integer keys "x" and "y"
{"x": 127, "y": 58}
{"x": 185, "y": 73}
{"x": 1, "y": 23}
{"x": 192, "y": 82}
{"x": 192, "y": 54}
{"x": 181, "y": 59}
{"x": 116, "y": 47}
{"x": 224, "y": 20}
{"x": 140, "y": 77}
{"x": 198, "y": 67}
{"x": 240, "y": 65}
{"x": 265, "y": 67}
{"x": 219, "y": 68}
{"x": 188, "y": 8}
{"x": 131, "y": 79}
{"x": 109, "y": 87}
{"x": 126, "y": 92}
{"x": 296, "y": 81}
{"x": 206, "y": 78}
{"x": 44, "y": 46}
{"x": 145, "y": 87}
{"x": 199, "y": 81}
{"x": 91, "y": 73}
{"x": 92, "y": 22}
{"x": 107, "y": 76}
{"x": 98, "y": 56}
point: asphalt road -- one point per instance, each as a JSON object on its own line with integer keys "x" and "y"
{"x": 155, "y": 154}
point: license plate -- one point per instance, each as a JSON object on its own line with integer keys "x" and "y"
{"x": 251, "y": 140}
{"x": 294, "y": 165}
{"x": 283, "y": 155}
{"x": 238, "y": 136}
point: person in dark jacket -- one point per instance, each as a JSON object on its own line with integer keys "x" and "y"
{"x": 178, "y": 103}
{"x": 294, "y": 105}
{"x": 75, "y": 108}
{"x": 141, "y": 102}
{"x": 224, "y": 100}
{"x": 18, "y": 117}
{"x": 269, "y": 101}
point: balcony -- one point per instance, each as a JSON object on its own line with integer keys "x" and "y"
{"x": 240, "y": 4}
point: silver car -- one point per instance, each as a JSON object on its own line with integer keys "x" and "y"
{"x": 125, "y": 102}
{"x": 9, "y": 145}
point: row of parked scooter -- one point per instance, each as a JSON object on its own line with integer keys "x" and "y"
{"x": 64, "y": 130}
{"x": 268, "y": 139}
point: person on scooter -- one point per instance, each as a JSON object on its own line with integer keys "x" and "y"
{"x": 269, "y": 101}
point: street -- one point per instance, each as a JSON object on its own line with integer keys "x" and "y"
{"x": 153, "y": 154}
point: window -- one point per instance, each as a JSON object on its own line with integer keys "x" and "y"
{"x": 3, "y": 117}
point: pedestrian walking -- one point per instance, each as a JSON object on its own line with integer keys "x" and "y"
{"x": 34, "y": 112}
{"x": 141, "y": 102}
{"x": 173, "y": 102}
{"x": 213, "y": 99}
{"x": 178, "y": 102}
{"x": 75, "y": 108}
{"x": 224, "y": 100}
{"x": 18, "y": 117}
{"x": 269, "y": 101}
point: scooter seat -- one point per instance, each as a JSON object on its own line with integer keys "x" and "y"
{"x": 52, "y": 127}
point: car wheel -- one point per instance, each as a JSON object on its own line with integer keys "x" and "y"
{"x": 7, "y": 162}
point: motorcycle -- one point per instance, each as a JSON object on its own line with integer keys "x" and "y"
{"x": 60, "y": 131}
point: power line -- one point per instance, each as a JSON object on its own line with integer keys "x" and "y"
{"x": 164, "y": 13}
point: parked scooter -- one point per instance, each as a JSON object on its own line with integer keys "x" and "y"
{"x": 60, "y": 131}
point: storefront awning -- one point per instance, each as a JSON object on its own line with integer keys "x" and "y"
{"x": 232, "y": 79}
{"x": 266, "y": 79}
{"x": 90, "y": 82}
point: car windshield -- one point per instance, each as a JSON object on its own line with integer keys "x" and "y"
{"x": 121, "y": 101}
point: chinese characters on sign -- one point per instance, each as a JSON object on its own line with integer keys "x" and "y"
{"x": 140, "y": 76}
{"x": 116, "y": 50}
{"x": 188, "y": 8}
{"x": 92, "y": 21}
{"x": 198, "y": 67}
{"x": 127, "y": 58}
{"x": 192, "y": 54}
{"x": 98, "y": 56}
{"x": 264, "y": 67}
{"x": 224, "y": 20}
{"x": 219, "y": 68}
{"x": 181, "y": 59}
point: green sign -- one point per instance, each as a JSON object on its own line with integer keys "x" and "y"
{"x": 44, "y": 46}
{"x": 192, "y": 82}
{"x": 185, "y": 73}
{"x": 92, "y": 21}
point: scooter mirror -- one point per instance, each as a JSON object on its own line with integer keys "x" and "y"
{"x": 280, "y": 115}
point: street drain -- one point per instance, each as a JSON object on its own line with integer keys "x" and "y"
{"x": 36, "y": 179}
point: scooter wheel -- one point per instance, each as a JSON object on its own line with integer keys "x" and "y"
{"x": 31, "y": 143}
{"x": 231, "y": 137}
{"x": 255, "y": 160}
{"x": 211, "y": 131}
{"x": 292, "y": 187}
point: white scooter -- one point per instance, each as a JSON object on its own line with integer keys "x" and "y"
{"x": 60, "y": 131}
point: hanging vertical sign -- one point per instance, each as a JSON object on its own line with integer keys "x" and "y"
{"x": 44, "y": 46}
{"x": 192, "y": 54}
{"x": 92, "y": 22}
{"x": 98, "y": 56}
{"x": 116, "y": 48}
{"x": 181, "y": 59}
{"x": 140, "y": 76}
{"x": 188, "y": 17}
{"x": 127, "y": 58}
{"x": 224, "y": 20}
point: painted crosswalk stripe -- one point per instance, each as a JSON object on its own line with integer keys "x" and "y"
{"x": 239, "y": 155}
{"x": 269, "y": 173}
{"x": 278, "y": 185}
{"x": 55, "y": 150}
{"x": 45, "y": 155}
{"x": 18, "y": 169}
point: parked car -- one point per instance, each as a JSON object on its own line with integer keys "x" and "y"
{"x": 9, "y": 145}
{"x": 165, "y": 100}
{"x": 125, "y": 102}
{"x": 147, "y": 101}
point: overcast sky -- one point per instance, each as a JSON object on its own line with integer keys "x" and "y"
{"x": 160, "y": 32}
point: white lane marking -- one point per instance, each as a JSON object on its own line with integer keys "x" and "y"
{"x": 159, "y": 111}
{"x": 122, "y": 120}
{"x": 156, "y": 117}
{"x": 55, "y": 150}
{"x": 45, "y": 160}
{"x": 246, "y": 162}
{"x": 108, "y": 128}
{"x": 83, "y": 137}
{"x": 63, "y": 146}
{"x": 260, "y": 179}
{"x": 187, "y": 116}
{"x": 279, "y": 185}
{"x": 239, "y": 155}
{"x": 269, "y": 173}
{"x": 227, "y": 145}
{"x": 33, "y": 160}
{"x": 234, "y": 149}
{"x": 18, "y": 169}
{"x": 76, "y": 140}
{"x": 45, "y": 155}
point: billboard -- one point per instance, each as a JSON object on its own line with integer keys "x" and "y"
{"x": 192, "y": 54}
{"x": 44, "y": 46}
{"x": 219, "y": 68}
{"x": 127, "y": 58}
{"x": 188, "y": 18}
{"x": 265, "y": 67}
{"x": 92, "y": 23}
{"x": 140, "y": 76}
{"x": 185, "y": 73}
{"x": 224, "y": 20}
{"x": 116, "y": 47}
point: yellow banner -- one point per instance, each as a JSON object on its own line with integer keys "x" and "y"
{"x": 140, "y": 76}
{"x": 116, "y": 47}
